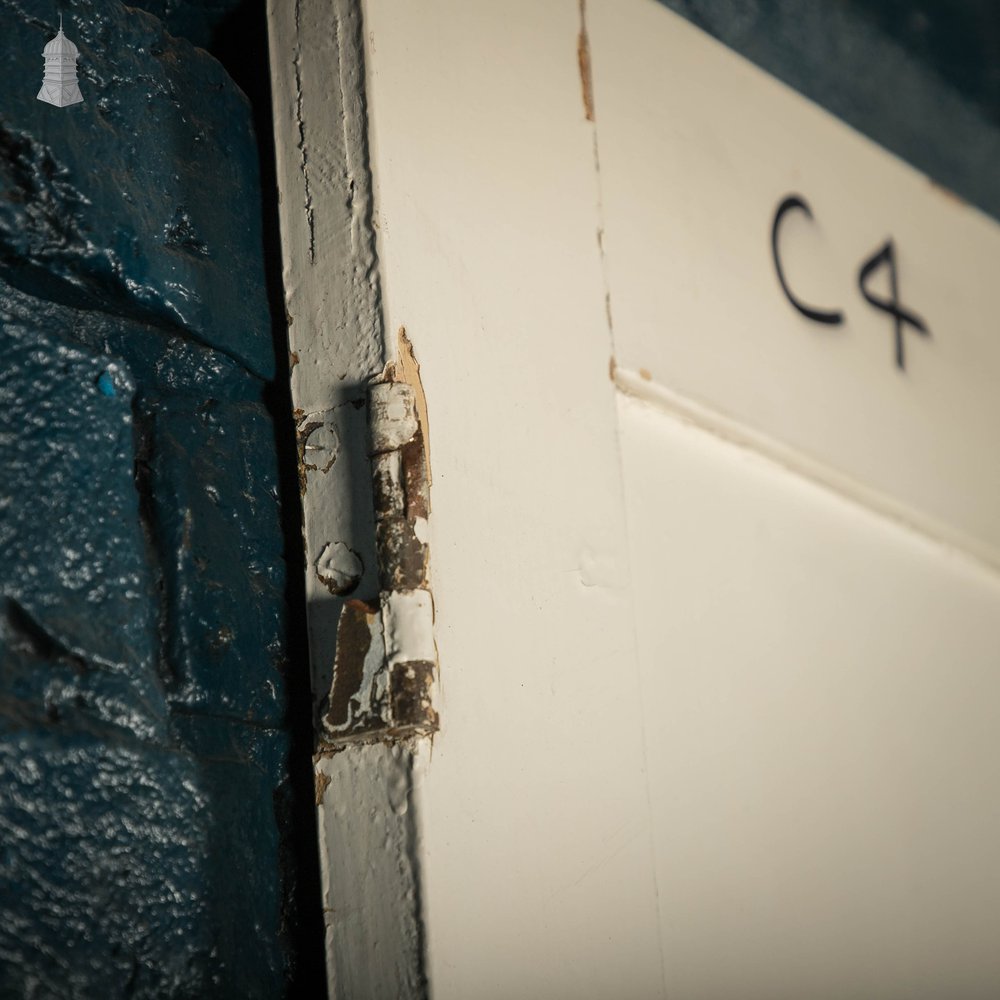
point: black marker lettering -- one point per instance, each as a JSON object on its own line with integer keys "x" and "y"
{"x": 832, "y": 317}
{"x": 887, "y": 255}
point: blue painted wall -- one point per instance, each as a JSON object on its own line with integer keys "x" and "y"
{"x": 144, "y": 735}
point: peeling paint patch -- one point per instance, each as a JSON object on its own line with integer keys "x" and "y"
{"x": 393, "y": 417}
{"x": 408, "y": 371}
{"x": 354, "y": 701}
{"x": 410, "y": 691}
{"x": 303, "y": 428}
{"x": 401, "y": 487}
{"x": 339, "y": 568}
{"x": 322, "y": 784}
{"x": 318, "y": 445}
{"x": 386, "y": 658}
{"x": 301, "y": 143}
{"x": 583, "y": 58}
{"x": 408, "y": 619}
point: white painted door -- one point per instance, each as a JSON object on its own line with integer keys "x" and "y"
{"x": 715, "y": 583}
{"x": 811, "y": 510}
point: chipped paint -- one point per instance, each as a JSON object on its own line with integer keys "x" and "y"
{"x": 322, "y": 784}
{"x": 401, "y": 492}
{"x": 365, "y": 709}
{"x": 393, "y": 417}
{"x": 386, "y": 658}
{"x": 583, "y": 58}
{"x": 303, "y": 428}
{"x": 356, "y": 700}
{"x": 319, "y": 445}
{"x": 408, "y": 617}
{"x": 402, "y": 503}
{"x": 408, "y": 371}
{"x": 339, "y": 568}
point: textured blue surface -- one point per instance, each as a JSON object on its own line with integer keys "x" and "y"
{"x": 223, "y": 640}
{"x": 104, "y": 877}
{"x": 143, "y": 749}
{"x": 73, "y": 562}
{"x": 196, "y": 20}
{"x": 134, "y": 201}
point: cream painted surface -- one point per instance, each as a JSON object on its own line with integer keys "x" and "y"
{"x": 820, "y": 691}
{"x": 698, "y": 147}
{"x": 719, "y": 717}
{"x": 536, "y": 853}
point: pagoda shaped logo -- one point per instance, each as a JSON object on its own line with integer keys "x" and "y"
{"x": 59, "y": 86}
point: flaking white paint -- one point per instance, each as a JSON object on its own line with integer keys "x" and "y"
{"x": 408, "y": 620}
{"x": 331, "y": 284}
{"x": 368, "y": 833}
{"x": 393, "y": 416}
